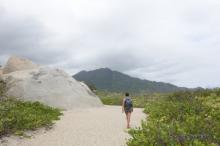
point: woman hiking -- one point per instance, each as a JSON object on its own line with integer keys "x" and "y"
{"x": 127, "y": 107}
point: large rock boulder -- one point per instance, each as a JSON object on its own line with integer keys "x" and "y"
{"x": 16, "y": 64}
{"x": 53, "y": 87}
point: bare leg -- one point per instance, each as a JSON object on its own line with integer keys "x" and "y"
{"x": 129, "y": 119}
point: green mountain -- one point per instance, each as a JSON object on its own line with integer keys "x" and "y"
{"x": 114, "y": 81}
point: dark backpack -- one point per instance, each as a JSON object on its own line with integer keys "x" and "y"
{"x": 128, "y": 103}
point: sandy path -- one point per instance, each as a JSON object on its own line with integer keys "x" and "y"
{"x": 105, "y": 126}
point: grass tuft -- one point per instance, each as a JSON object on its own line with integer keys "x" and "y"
{"x": 17, "y": 116}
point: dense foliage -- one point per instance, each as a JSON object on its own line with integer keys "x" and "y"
{"x": 16, "y": 116}
{"x": 110, "y": 98}
{"x": 2, "y": 88}
{"x": 116, "y": 98}
{"x": 181, "y": 119}
{"x": 107, "y": 80}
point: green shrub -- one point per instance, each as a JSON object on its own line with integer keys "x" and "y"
{"x": 180, "y": 119}
{"x": 113, "y": 98}
{"x": 110, "y": 98}
{"x": 2, "y": 88}
{"x": 16, "y": 116}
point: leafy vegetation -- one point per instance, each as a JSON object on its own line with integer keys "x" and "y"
{"x": 105, "y": 79}
{"x": 16, "y": 116}
{"x": 116, "y": 98}
{"x": 2, "y": 88}
{"x": 181, "y": 119}
{"x": 109, "y": 98}
{"x": 92, "y": 87}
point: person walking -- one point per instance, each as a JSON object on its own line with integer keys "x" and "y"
{"x": 127, "y": 107}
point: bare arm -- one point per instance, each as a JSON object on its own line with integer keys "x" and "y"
{"x": 123, "y": 110}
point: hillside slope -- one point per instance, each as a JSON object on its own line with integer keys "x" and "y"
{"x": 114, "y": 81}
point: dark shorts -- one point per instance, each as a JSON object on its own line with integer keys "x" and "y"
{"x": 129, "y": 110}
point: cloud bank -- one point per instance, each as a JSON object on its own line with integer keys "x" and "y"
{"x": 169, "y": 41}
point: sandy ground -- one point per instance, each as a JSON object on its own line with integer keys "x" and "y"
{"x": 103, "y": 126}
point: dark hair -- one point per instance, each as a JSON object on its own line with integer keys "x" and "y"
{"x": 126, "y": 94}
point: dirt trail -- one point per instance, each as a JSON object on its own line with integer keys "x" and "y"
{"x": 103, "y": 126}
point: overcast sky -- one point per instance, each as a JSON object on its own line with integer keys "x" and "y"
{"x": 162, "y": 40}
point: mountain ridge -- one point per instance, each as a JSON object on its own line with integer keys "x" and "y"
{"x": 115, "y": 81}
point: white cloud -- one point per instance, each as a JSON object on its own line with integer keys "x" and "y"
{"x": 171, "y": 41}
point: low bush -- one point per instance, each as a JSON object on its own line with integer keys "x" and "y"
{"x": 180, "y": 119}
{"x": 16, "y": 116}
{"x": 2, "y": 88}
{"x": 113, "y": 98}
{"x": 110, "y": 98}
